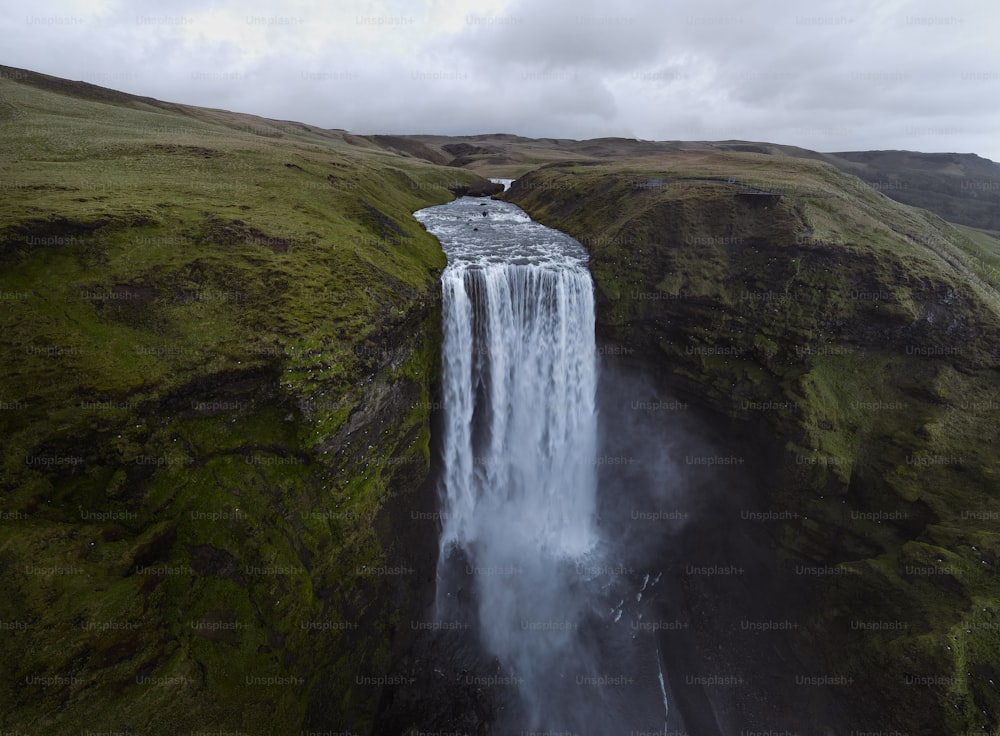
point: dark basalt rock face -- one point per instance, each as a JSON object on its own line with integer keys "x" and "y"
{"x": 851, "y": 340}
{"x": 484, "y": 188}
{"x": 467, "y": 149}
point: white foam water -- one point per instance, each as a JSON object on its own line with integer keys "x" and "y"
{"x": 523, "y": 478}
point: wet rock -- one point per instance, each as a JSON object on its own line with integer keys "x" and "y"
{"x": 484, "y": 188}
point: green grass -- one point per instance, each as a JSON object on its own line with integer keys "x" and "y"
{"x": 984, "y": 248}
{"x": 184, "y": 289}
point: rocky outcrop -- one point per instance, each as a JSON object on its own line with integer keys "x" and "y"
{"x": 467, "y": 149}
{"x": 484, "y": 188}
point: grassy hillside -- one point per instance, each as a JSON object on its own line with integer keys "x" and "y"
{"x": 961, "y": 188}
{"x": 218, "y": 351}
{"x": 859, "y": 340}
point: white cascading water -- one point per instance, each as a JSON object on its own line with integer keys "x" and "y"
{"x": 519, "y": 380}
{"x": 524, "y": 336}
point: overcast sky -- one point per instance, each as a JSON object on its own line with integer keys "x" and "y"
{"x": 828, "y": 75}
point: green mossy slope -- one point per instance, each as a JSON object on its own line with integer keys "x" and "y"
{"x": 860, "y": 340}
{"x": 219, "y": 346}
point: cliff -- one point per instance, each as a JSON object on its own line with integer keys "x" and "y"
{"x": 856, "y": 341}
{"x": 220, "y": 338}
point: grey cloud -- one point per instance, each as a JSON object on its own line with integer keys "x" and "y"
{"x": 844, "y": 75}
{"x": 557, "y": 36}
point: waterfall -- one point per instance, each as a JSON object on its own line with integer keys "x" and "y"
{"x": 522, "y": 557}
{"x": 519, "y": 378}
{"x": 518, "y": 488}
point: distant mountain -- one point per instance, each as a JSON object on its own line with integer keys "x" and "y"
{"x": 960, "y": 187}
